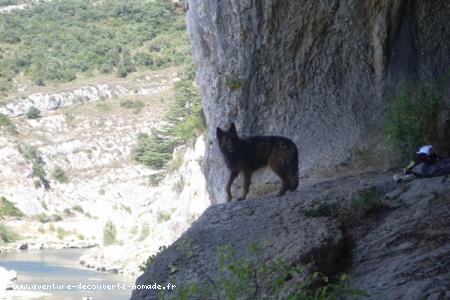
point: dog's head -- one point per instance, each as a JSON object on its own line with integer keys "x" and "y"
{"x": 228, "y": 140}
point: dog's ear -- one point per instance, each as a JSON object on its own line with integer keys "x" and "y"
{"x": 233, "y": 130}
{"x": 219, "y": 133}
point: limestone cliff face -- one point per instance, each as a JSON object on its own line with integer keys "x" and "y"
{"x": 319, "y": 72}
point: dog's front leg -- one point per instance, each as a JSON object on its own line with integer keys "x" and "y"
{"x": 233, "y": 175}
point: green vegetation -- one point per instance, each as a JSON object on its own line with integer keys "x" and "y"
{"x": 78, "y": 208}
{"x": 55, "y": 41}
{"x": 145, "y": 265}
{"x": 178, "y": 185}
{"x": 67, "y": 212}
{"x": 8, "y": 2}
{"x": 9, "y": 209}
{"x": 163, "y": 217}
{"x": 109, "y": 233}
{"x": 104, "y": 106}
{"x": 7, "y": 235}
{"x": 61, "y": 233}
{"x": 44, "y": 205}
{"x": 241, "y": 278}
{"x": 126, "y": 208}
{"x": 135, "y": 105}
{"x": 154, "y": 150}
{"x": 350, "y": 211}
{"x": 185, "y": 122}
{"x": 145, "y": 231}
{"x": 418, "y": 117}
{"x": 44, "y": 218}
{"x": 6, "y": 123}
{"x": 34, "y": 157}
{"x": 59, "y": 175}
{"x": 134, "y": 230}
{"x": 155, "y": 179}
{"x": 233, "y": 82}
{"x": 33, "y": 113}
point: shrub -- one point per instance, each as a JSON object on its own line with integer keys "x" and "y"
{"x": 43, "y": 204}
{"x": 126, "y": 208}
{"x": 6, "y": 123}
{"x": 104, "y": 106}
{"x": 350, "y": 211}
{"x": 68, "y": 213}
{"x": 77, "y": 208}
{"x": 145, "y": 231}
{"x": 61, "y": 233}
{"x": 33, "y": 113}
{"x": 149, "y": 262}
{"x": 136, "y": 105}
{"x": 163, "y": 217}
{"x": 418, "y": 117}
{"x": 59, "y": 175}
{"x": 55, "y": 218}
{"x": 178, "y": 185}
{"x": 8, "y": 209}
{"x": 109, "y": 233}
{"x": 155, "y": 179}
{"x": 7, "y": 235}
{"x": 34, "y": 157}
{"x": 134, "y": 230}
{"x": 154, "y": 150}
{"x": 240, "y": 278}
{"x": 43, "y": 218}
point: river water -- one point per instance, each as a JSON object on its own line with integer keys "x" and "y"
{"x": 61, "y": 267}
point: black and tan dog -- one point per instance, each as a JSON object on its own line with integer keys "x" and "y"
{"x": 246, "y": 155}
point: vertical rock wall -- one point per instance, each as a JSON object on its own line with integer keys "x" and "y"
{"x": 319, "y": 72}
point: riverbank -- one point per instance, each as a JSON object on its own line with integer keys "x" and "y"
{"x": 51, "y": 271}
{"x": 41, "y": 245}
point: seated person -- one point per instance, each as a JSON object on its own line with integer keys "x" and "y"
{"x": 427, "y": 163}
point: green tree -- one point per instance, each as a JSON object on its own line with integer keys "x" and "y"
{"x": 109, "y": 233}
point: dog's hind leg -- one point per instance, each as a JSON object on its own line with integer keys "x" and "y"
{"x": 247, "y": 181}
{"x": 276, "y": 163}
{"x": 284, "y": 183}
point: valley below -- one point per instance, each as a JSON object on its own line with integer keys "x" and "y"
{"x": 90, "y": 136}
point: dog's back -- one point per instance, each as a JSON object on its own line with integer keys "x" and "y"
{"x": 277, "y": 152}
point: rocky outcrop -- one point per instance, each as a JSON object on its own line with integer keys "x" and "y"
{"x": 406, "y": 254}
{"x": 397, "y": 249}
{"x": 7, "y": 280}
{"x": 148, "y": 85}
{"x": 319, "y": 73}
